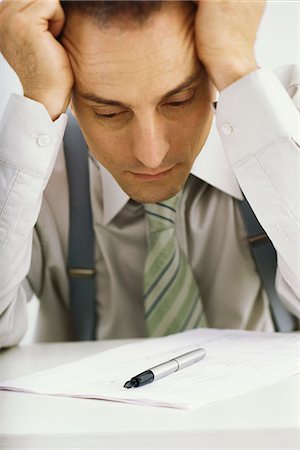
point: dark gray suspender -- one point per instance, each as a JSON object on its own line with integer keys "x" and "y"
{"x": 265, "y": 258}
{"x": 81, "y": 244}
{"x": 81, "y": 235}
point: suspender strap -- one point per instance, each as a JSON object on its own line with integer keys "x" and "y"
{"x": 81, "y": 235}
{"x": 266, "y": 262}
{"x": 81, "y": 244}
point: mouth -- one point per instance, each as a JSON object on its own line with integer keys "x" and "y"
{"x": 148, "y": 176}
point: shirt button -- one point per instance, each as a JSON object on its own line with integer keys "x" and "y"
{"x": 227, "y": 129}
{"x": 43, "y": 140}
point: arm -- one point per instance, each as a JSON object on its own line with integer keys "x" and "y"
{"x": 259, "y": 125}
{"x": 29, "y": 142}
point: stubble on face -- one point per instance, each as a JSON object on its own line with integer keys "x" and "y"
{"x": 151, "y": 148}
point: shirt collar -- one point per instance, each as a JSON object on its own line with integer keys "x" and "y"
{"x": 211, "y": 166}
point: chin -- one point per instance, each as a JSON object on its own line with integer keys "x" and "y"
{"x": 153, "y": 194}
{"x": 154, "y": 191}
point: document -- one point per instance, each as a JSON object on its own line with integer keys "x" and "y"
{"x": 236, "y": 362}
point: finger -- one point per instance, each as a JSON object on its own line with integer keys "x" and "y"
{"x": 57, "y": 22}
{"x": 50, "y": 12}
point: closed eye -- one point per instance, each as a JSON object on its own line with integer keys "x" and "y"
{"x": 117, "y": 115}
{"x": 180, "y": 103}
{"x": 108, "y": 116}
{"x": 181, "y": 99}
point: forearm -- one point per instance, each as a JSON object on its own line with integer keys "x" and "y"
{"x": 258, "y": 124}
{"x": 29, "y": 142}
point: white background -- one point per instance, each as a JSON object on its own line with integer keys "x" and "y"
{"x": 278, "y": 43}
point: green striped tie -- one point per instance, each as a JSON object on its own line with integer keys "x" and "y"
{"x": 172, "y": 299}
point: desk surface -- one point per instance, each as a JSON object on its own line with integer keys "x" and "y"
{"x": 265, "y": 419}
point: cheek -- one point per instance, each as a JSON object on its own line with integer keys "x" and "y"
{"x": 193, "y": 130}
{"x": 104, "y": 149}
{"x": 108, "y": 149}
{"x": 201, "y": 122}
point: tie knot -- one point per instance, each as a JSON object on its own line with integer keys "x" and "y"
{"x": 162, "y": 215}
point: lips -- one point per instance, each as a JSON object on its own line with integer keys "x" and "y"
{"x": 152, "y": 175}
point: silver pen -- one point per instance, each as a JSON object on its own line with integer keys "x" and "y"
{"x": 166, "y": 368}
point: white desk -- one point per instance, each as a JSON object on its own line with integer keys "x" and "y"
{"x": 265, "y": 419}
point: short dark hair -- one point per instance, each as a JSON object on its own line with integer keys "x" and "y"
{"x": 105, "y": 12}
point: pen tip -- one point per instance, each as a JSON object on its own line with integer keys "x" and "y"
{"x": 128, "y": 384}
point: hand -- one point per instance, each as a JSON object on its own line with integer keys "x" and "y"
{"x": 27, "y": 41}
{"x": 225, "y": 33}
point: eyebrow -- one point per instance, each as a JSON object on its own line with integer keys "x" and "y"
{"x": 105, "y": 101}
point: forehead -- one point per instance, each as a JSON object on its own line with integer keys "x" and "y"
{"x": 153, "y": 57}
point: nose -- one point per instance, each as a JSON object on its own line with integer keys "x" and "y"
{"x": 149, "y": 142}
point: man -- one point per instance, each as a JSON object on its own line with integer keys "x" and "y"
{"x": 142, "y": 80}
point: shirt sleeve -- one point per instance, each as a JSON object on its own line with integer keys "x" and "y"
{"x": 258, "y": 122}
{"x": 29, "y": 144}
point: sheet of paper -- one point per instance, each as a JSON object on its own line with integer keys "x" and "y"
{"x": 237, "y": 362}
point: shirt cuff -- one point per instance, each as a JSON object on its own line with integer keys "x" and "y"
{"x": 254, "y": 112}
{"x": 30, "y": 140}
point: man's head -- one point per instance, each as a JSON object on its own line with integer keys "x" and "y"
{"x": 141, "y": 96}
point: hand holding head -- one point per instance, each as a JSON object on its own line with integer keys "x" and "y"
{"x": 27, "y": 40}
{"x": 225, "y": 34}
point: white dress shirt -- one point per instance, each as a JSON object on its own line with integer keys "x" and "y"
{"x": 256, "y": 149}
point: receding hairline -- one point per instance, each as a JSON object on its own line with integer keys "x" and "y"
{"x": 107, "y": 13}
